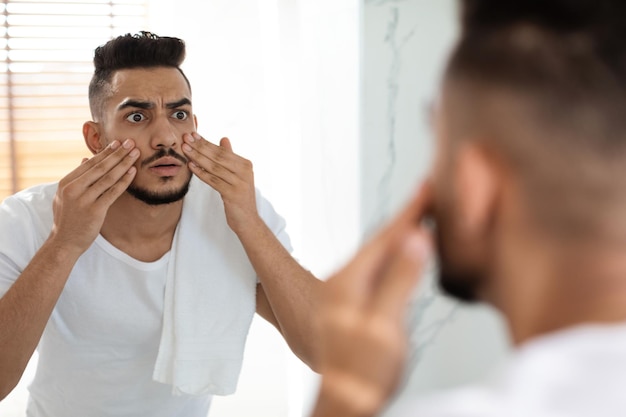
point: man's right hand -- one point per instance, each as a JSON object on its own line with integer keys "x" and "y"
{"x": 361, "y": 323}
{"x": 85, "y": 195}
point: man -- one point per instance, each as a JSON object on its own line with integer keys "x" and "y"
{"x": 137, "y": 275}
{"x": 528, "y": 193}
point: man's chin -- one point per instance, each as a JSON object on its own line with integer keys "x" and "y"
{"x": 154, "y": 198}
{"x": 463, "y": 287}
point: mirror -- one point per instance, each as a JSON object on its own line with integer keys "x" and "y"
{"x": 326, "y": 98}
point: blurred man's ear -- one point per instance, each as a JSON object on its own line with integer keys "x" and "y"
{"x": 478, "y": 183}
{"x": 91, "y": 134}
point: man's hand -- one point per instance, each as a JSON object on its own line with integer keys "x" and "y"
{"x": 228, "y": 173}
{"x": 85, "y": 195}
{"x": 362, "y": 322}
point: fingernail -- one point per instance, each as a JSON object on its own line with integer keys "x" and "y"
{"x": 187, "y": 148}
{"x": 196, "y": 135}
{"x": 128, "y": 144}
{"x": 134, "y": 153}
{"x": 192, "y": 138}
{"x": 115, "y": 144}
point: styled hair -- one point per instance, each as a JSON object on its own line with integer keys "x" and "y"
{"x": 141, "y": 50}
{"x": 545, "y": 81}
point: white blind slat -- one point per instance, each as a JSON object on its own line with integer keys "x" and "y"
{"x": 47, "y": 45}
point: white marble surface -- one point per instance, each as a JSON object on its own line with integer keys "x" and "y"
{"x": 405, "y": 47}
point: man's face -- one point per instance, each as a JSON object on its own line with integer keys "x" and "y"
{"x": 152, "y": 106}
{"x": 462, "y": 274}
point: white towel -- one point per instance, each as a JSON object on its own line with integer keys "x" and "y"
{"x": 209, "y": 299}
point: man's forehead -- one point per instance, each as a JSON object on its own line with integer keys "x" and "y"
{"x": 162, "y": 84}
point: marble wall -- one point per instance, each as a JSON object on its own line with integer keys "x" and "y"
{"x": 405, "y": 47}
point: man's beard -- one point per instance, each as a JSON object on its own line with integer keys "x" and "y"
{"x": 461, "y": 282}
{"x": 155, "y": 198}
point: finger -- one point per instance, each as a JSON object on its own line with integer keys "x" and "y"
{"x": 209, "y": 157}
{"x": 394, "y": 287}
{"x": 374, "y": 254}
{"x": 102, "y": 162}
{"x": 218, "y": 178}
{"x": 113, "y": 192}
{"x": 225, "y": 143}
{"x": 199, "y": 150}
{"x": 88, "y": 163}
{"x": 418, "y": 207}
{"x": 111, "y": 160}
{"x": 111, "y": 177}
{"x": 215, "y": 165}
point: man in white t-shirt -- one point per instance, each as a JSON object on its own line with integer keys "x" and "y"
{"x": 108, "y": 275}
{"x": 528, "y": 194}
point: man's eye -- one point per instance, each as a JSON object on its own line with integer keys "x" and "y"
{"x": 180, "y": 115}
{"x": 135, "y": 117}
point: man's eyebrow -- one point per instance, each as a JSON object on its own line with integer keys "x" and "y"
{"x": 179, "y": 103}
{"x": 146, "y": 105}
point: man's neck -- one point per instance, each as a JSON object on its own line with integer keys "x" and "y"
{"x": 144, "y": 232}
{"x": 553, "y": 289}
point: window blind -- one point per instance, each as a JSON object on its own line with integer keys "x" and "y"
{"x": 46, "y": 52}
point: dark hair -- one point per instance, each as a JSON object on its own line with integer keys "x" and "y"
{"x": 557, "y": 70}
{"x": 141, "y": 50}
{"x": 604, "y": 21}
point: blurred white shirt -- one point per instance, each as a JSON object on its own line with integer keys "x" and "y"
{"x": 579, "y": 372}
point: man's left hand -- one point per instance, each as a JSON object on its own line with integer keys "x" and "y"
{"x": 228, "y": 173}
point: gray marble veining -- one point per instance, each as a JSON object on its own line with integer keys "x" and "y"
{"x": 405, "y": 48}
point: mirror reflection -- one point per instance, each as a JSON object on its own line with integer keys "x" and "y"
{"x": 241, "y": 78}
{"x": 321, "y": 103}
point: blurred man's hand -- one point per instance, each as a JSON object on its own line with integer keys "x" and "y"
{"x": 362, "y": 323}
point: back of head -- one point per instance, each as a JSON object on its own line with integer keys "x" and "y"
{"x": 545, "y": 82}
{"x": 142, "y": 50}
{"x": 600, "y": 20}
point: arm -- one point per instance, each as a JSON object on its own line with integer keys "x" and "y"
{"x": 80, "y": 205}
{"x": 362, "y": 319}
{"x": 288, "y": 294}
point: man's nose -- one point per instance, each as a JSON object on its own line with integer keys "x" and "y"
{"x": 163, "y": 134}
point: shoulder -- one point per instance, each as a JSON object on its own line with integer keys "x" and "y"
{"x": 31, "y": 204}
{"x": 465, "y": 402}
{"x": 25, "y": 222}
{"x": 564, "y": 373}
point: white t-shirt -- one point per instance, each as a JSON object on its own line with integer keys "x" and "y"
{"x": 97, "y": 353}
{"x": 578, "y": 372}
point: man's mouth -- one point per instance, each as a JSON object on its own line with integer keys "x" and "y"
{"x": 164, "y": 157}
{"x": 166, "y": 167}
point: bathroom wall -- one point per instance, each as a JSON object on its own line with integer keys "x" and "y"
{"x": 405, "y": 44}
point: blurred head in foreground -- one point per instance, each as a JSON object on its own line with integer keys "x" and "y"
{"x": 530, "y": 171}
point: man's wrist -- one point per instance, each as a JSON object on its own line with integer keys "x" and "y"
{"x": 251, "y": 225}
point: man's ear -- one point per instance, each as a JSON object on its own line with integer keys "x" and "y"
{"x": 91, "y": 133}
{"x": 195, "y": 122}
{"x": 479, "y": 181}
